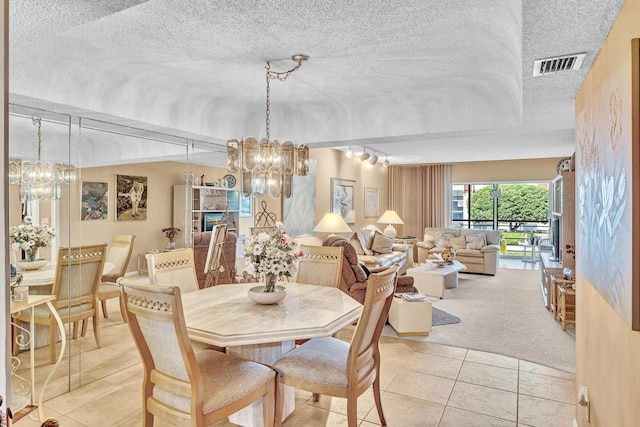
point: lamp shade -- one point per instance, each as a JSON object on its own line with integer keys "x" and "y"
{"x": 389, "y": 218}
{"x": 332, "y": 223}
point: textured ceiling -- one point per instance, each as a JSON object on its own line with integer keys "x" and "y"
{"x": 421, "y": 80}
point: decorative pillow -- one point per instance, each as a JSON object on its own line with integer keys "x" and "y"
{"x": 476, "y": 241}
{"x": 458, "y": 242}
{"x": 357, "y": 240}
{"x": 382, "y": 244}
{"x": 443, "y": 238}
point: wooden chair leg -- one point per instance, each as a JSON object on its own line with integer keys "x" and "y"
{"x": 104, "y": 308}
{"x": 316, "y": 397}
{"x": 85, "y": 324}
{"x": 96, "y": 327}
{"x": 378, "y": 400}
{"x": 123, "y": 308}
{"x": 268, "y": 404}
{"x": 352, "y": 411}
{"x": 277, "y": 421}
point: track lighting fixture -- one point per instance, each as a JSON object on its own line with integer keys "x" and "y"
{"x": 364, "y": 156}
{"x": 349, "y": 153}
{"x": 374, "y": 159}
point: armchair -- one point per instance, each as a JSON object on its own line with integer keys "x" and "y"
{"x": 353, "y": 280}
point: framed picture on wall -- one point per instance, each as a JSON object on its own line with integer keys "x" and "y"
{"x": 131, "y": 203}
{"x": 370, "y": 202}
{"x": 342, "y": 199}
{"x": 94, "y": 201}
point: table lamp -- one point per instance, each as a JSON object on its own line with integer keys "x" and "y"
{"x": 390, "y": 218}
{"x": 332, "y": 223}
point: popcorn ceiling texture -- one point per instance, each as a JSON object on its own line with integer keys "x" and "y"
{"x": 426, "y": 80}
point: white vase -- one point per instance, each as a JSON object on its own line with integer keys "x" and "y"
{"x": 31, "y": 265}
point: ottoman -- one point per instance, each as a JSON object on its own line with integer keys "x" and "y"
{"x": 410, "y": 318}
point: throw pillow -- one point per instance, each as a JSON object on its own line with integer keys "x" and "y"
{"x": 382, "y": 244}
{"x": 443, "y": 238}
{"x": 476, "y": 241}
{"x": 458, "y": 242}
{"x": 357, "y": 245}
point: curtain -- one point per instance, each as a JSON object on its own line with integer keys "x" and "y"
{"x": 421, "y": 195}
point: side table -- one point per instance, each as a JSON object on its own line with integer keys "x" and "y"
{"x": 410, "y": 318}
{"x": 409, "y": 240}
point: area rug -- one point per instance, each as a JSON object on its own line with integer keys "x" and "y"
{"x": 503, "y": 314}
{"x": 439, "y": 317}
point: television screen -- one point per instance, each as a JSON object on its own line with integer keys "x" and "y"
{"x": 210, "y": 220}
{"x": 555, "y": 239}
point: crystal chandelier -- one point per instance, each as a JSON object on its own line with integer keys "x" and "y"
{"x": 39, "y": 180}
{"x": 267, "y": 166}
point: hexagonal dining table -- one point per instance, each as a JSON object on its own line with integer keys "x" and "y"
{"x": 224, "y": 316}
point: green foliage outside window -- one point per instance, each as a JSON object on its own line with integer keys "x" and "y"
{"x": 518, "y": 203}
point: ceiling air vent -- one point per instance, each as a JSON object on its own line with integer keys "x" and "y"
{"x": 558, "y": 63}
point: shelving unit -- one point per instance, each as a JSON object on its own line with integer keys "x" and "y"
{"x": 198, "y": 208}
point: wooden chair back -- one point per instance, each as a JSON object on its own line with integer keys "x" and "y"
{"x": 173, "y": 268}
{"x": 320, "y": 265}
{"x": 156, "y": 321}
{"x": 78, "y": 275}
{"x": 361, "y": 370}
{"x": 213, "y": 263}
{"x": 118, "y": 257}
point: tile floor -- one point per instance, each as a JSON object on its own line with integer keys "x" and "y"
{"x": 424, "y": 384}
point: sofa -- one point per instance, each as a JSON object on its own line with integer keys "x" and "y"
{"x": 201, "y": 248}
{"x": 477, "y": 249}
{"x": 353, "y": 279}
{"x": 375, "y": 250}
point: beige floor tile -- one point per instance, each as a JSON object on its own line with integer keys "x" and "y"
{"x": 109, "y": 408}
{"x": 441, "y": 350}
{"x": 85, "y": 395}
{"x": 403, "y": 411}
{"x": 548, "y": 387}
{"x": 422, "y": 386}
{"x": 544, "y": 413}
{"x": 489, "y": 376}
{"x": 32, "y": 421}
{"x": 445, "y": 367}
{"x": 491, "y": 359}
{"x": 534, "y": 368}
{"x": 339, "y": 405}
{"x": 484, "y": 400}
{"x": 307, "y": 415}
{"x": 454, "y": 417}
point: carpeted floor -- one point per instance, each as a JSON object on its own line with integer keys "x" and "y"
{"x": 503, "y": 314}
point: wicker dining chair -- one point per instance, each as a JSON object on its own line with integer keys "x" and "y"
{"x": 115, "y": 266}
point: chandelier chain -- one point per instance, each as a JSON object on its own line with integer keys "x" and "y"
{"x": 38, "y": 122}
{"x": 282, "y": 76}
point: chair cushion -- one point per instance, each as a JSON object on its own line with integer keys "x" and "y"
{"x": 382, "y": 244}
{"x": 321, "y": 360}
{"x": 225, "y": 379}
{"x": 107, "y": 288}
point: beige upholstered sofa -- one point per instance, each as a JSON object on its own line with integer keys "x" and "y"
{"x": 374, "y": 249}
{"x": 477, "y": 249}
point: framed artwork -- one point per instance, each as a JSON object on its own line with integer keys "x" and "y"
{"x": 246, "y": 206}
{"x": 370, "y": 202}
{"x": 299, "y": 210}
{"x": 342, "y": 199}
{"x": 131, "y": 203}
{"x": 94, "y": 201}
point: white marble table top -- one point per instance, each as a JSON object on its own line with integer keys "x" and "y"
{"x": 224, "y": 315}
{"x": 40, "y": 277}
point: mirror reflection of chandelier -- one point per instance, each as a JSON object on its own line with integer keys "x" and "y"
{"x": 39, "y": 180}
{"x": 267, "y": 166}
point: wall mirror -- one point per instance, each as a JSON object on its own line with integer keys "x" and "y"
{"x": 89, "y": 208}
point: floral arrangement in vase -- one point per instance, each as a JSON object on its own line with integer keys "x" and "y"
{"x": 30, "y": 237}
{"x": 171, "y": 233}
{"x": 271, "y": 255}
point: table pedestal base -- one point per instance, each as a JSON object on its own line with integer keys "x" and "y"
{"x": 267, "y": 354}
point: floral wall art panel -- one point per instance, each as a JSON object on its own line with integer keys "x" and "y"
{"x": 95, "y": 201}
{"x": 299, "y": 210}
{"x": 605, "y": 176}
{"x": 343, "y": 199}
{"x": 131, "y": 201}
